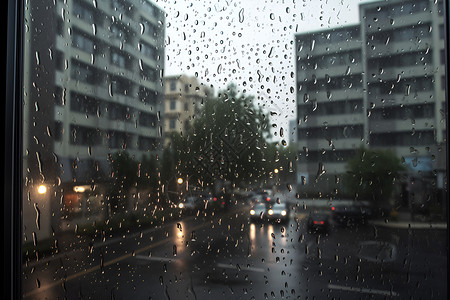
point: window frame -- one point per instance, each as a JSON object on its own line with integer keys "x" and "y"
{"x": 13, "y": 20}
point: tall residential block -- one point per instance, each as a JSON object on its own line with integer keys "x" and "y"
{"x": 378, "y": 84}
{"x": 92, "y": 87}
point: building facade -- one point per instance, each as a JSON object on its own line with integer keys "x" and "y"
{"x": 92, "y": 88}
{"x": 184, "y": 96}
{"x": 378, "y": 84}
{"x": 329, "y": 101}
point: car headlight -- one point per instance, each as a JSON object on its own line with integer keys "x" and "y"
{"x": 252, "y": 212}
{"x": 283, "y": 213}
{"x": 181, "y": 205}
{"x": 270, "y": 212}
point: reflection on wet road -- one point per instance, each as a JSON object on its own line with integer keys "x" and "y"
{"x": 229, "y": 257}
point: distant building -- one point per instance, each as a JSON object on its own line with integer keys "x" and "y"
{"x": 184, "y": 97}
{"x": 379, "y": 83}
{"x": 292, "y": 136}
{"x": 330, "y": 98}
{"x": 92, "y": 87}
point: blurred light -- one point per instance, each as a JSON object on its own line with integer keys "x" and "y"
{"x": 180, "y": 180}
{"x": 252, "y": 234}
{"x": 181, "y": 205}
{"x": 252, "y": 212}
{"x": 270, "y": 212}
{"x": 283, "y": 213}
{"x": 215, "y": 198}
{"x": 276, "y": 171}
{"x": 321, "y": 222}
{"x": 42, "y": 189}
{"x": 268, "y": 199}
{"x": 315, "y": 222}
{"x": 79, "y": 189}
{"x": 332, "y": 208}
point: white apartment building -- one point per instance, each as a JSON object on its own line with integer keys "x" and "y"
{"x": 92, "y": 87}
{"x": 379, "y": 83}
{"x": 184, "y": 96}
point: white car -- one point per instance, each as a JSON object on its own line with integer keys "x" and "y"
{"x": 189, "y": 203}
{"x": 258, "y": 211}
{"x": 278, "y": 212}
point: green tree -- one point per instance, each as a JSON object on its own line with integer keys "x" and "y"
{"x": 227, "y": 141}
{"x": 372, "y": 175}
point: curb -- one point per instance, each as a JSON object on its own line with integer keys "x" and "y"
{"x": 410, "y": 225}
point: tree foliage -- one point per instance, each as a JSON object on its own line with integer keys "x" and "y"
{"x": 227, "y": 141}
{"x": 372, "y": 175}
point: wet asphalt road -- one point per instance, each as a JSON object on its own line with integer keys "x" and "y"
{"x": 228, "y": 257}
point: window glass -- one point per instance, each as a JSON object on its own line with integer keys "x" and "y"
{"x": 234, "y": 149}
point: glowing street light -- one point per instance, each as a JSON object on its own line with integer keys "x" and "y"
{"x": 180, "y": 180}
{"x": 276, "y": 171}
{"x": 42, "y": 189}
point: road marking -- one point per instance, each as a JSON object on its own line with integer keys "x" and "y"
{"x": 362, "y": 290}
{"x": 117, "y": 259}
{"x": 225, "y": 266}
{"x": 52, "y": 258}
{"x": 160, "y": 259}
{"x": 110, "y": 241}
{"x": 388, "y": 249}
{"x": 412, "y": 225}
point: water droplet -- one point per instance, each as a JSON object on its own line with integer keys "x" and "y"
{"x": 313, "y": 43}
{"x": 110, "y": 90}
{"x": 407, "y": 90}
{"x": 193, "y": 236}
{"x": 38, "y": 216}
{"x": 305, "y": 98}
{"x": 34, "y": 238}
{"x": 241, "y": 15}
{"x": 347, "y": 71}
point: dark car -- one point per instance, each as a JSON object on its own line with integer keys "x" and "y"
{"x": 319, "y": 221}
{"x": 351, "y": 214}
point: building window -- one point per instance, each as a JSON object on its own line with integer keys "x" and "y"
{"x": 148, "y": 51}
{"x": 82, "y": 42}
{"x": 83, "y": 73}
{"x": 148, "y": 73}
{"x": 83, "y": 11}
{"x": 118, "y": 32}
{"x": 173, "y": 104}
{"x": 58, "y": 131}
{"x": 173, "y": 85}
{"x": 172, "y": 123}
{"x": 118, "y": 58}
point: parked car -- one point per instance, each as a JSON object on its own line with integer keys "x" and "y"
{"x": 349, "y": 214}
{"x": 318, "y": 221}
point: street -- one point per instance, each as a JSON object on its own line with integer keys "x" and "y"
{"x": 228, "y": 257}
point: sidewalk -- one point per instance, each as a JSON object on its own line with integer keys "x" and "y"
{"x": 406, "y": 220}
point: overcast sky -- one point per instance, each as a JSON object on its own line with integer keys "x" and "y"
{"x": 249, "y": 42}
